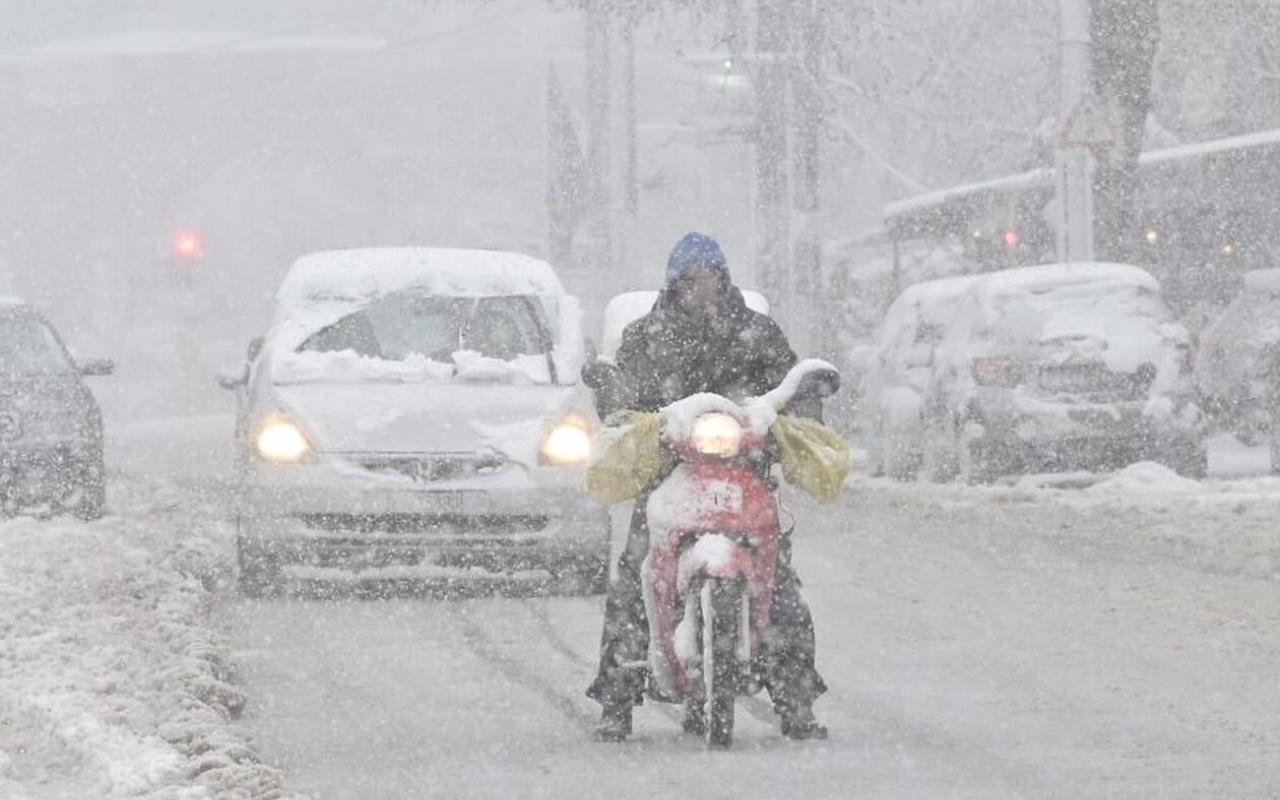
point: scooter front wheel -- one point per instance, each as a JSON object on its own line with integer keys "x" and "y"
{"x": 721, "y": 629}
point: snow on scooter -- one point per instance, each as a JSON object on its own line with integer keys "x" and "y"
{"x": 714, "y": 536}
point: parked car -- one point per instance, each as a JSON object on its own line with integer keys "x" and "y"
{"x": 1236, "y": 355}
{"x": 417, "y": 413}
{"x": 50, "y": 423}
{"x": 897, "y": 373}
{"x": 1058, "y": 368}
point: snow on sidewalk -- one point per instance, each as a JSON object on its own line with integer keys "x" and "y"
{"x": 112, "y": 683}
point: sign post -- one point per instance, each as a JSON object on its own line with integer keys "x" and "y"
{"x": 1086, "y": 129}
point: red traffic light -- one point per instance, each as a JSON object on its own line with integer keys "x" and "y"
{"x": 1011, "y": 237}
{"x": 187, "y": 246}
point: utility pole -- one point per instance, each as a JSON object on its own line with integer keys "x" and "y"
{"x": 772, "y": 187}
{"x": 1125, "y": 35}
{"x": 598, "y": 261}
{"x": 810, "y": 121}
{"x": 1074, "y": 155}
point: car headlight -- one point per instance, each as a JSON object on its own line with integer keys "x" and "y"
{"x": 568, "y": 443}
{"x": 281, "y": 442}
{"x": 717, "y": 435}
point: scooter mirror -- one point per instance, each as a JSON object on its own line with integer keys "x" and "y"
{"x": 821, "y": 383}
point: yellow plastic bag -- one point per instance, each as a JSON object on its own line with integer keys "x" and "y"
{"x": 814, "y": 457}
{"x": 631, "y": 461}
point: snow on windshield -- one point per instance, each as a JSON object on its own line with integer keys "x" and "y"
{"x": 424, "y": 314}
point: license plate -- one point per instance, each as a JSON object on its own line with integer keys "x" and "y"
{"x": 442, "y": 502}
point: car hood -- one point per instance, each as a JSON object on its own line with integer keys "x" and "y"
{"x": 424, "y": 417}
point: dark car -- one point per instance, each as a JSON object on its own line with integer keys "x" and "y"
{"x": 50, "y": 424}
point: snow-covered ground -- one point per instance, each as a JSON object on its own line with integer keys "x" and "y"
{"x": 979, "y": 644}
{"x": 112, "y": 682}
{"x": 1118, "y": 641}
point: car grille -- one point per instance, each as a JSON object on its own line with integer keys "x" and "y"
{"x": 430, "y": 469}
{"x": 487, "y": 525}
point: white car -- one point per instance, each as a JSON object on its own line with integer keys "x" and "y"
{"x": 898, "y": 373}
{"x": 1235, "y": 356}
{"x": 1060, "y": 368}
{"x": 417, "y": 414}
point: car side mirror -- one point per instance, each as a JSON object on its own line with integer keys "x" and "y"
{"x": 96, "y": 366}
{"x": 231, "y": 381}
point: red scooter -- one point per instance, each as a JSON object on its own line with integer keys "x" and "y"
{"x": 713, "y": 547}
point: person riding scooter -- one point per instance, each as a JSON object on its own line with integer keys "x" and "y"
{"x": 700, "y": 337}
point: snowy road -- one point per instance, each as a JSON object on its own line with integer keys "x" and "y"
{"x": 978, "y": 644}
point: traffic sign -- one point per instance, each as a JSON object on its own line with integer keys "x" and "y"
{"x": 1088, "y": 126}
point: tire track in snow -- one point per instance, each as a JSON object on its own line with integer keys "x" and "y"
{"x": 756, "y": 707}
{"x": 542, "y": 617}
{"x": 482, "y": 644}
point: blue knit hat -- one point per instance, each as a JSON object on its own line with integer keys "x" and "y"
{"x": 692, "y": 251}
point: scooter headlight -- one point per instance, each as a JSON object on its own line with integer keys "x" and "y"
{"x": 281, "y": 442}
{"x": 568, "y": 443}
{"x": 717, "y": 435}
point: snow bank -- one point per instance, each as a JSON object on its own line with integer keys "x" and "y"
{"x": 112, "y": 684}
{"x": 1148, "y": 476}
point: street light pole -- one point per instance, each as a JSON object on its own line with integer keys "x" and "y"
{"x": 1075, "y": 159}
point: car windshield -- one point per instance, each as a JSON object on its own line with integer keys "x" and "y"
{"x": 404, "y": 324}
{"x": 29, "y": 347}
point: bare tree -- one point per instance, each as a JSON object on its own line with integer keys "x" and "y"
{"x": 1125, "y": 34}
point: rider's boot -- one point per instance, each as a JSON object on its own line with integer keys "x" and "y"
{"x": 799, "y": 723}
{"x": 695, "y": 719}
{"x": 615, "y": 723}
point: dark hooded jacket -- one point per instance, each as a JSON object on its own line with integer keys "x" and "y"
{"x": 669, "y": 354}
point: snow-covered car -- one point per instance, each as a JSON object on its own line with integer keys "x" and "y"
{"x": 625, "y": 308}
{"x": 50, "y": 423}
{"x": 897, "y": 374}
{"x": 1062, "y": 367}
{"x": 1234, "y": 357}
{"x": 417, "y": 413}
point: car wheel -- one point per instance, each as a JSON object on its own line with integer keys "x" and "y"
{"x": 974, "y": 465}
{"x": 899, "y": 463}
{"x": 92, "y": 501}
{"x": 941, "y": 462}
{"x": 259, "y": 574}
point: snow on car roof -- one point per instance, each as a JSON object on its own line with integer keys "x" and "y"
{"x": 360, "y": 275}
{"x": 1263, "y": 280}
{"x": 924, "y": 296}
{"x": 1024, "y": 279}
